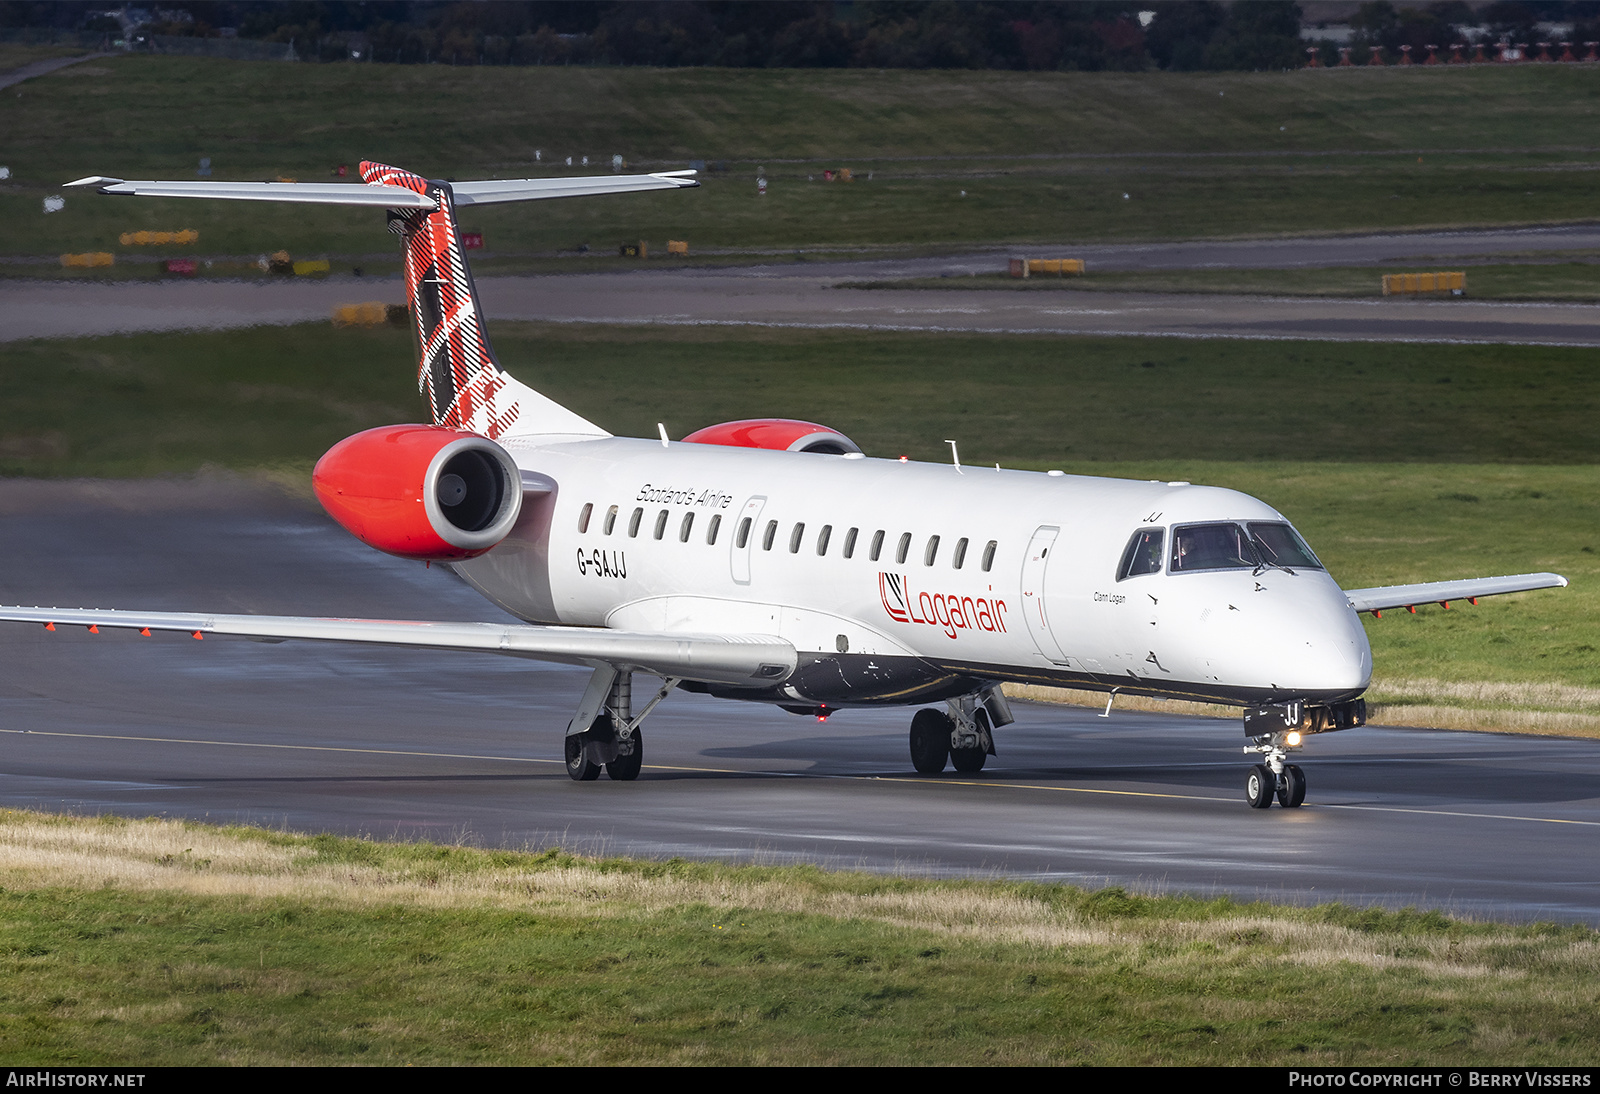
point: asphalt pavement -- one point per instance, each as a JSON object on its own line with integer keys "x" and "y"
{"x": 805, "y": 295}
{"x": 409, "y": 744}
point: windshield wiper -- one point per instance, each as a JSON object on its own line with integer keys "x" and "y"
{"x": 1263, "y": 563}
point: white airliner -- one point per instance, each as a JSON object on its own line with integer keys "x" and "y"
{"x": 772, "y": 561}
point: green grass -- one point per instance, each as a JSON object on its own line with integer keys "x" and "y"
{"x": 1393, "y": 473}
{"x": 1537, "y": 280}
{"x": 153, "y": 942}
{"x": 1041, "y": 156}
{"x": 15, "y": 55}
{"x": 152, "y": 403}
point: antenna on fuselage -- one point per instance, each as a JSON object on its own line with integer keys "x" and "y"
{"x": 955, "y": 457}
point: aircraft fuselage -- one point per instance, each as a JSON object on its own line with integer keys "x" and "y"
{"x": 903, "y": 582}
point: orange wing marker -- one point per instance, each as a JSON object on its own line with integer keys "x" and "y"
{"x": 49, "y": 626}
{"x": 93, "y": 629}
{"x": 144, "y": 631}
{"x": 197, "y": 636}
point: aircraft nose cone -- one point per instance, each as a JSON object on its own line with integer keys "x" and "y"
{"x": 1299, "y": 637}
{"x": 1324, "y": 647}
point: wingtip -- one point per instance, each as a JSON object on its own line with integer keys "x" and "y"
{"x": 95, "y": 180}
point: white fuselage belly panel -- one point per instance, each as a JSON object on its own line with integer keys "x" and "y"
{"x": 1234, "y": 634}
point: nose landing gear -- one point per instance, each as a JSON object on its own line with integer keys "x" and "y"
{"x": 1277, "y": 779}
{"x": 1276, "y": 731}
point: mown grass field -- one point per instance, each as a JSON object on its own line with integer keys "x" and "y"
{"x": 152, "y": 403}
{"x": 1042, "y": 157}
{"x": 156, "y": 942}
{"x": 1399, "y": 463}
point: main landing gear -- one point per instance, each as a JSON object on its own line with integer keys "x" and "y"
{"x": 1277, "y": 730}
{"x": 964, "y": 736}
{"x": 605, "y": 732}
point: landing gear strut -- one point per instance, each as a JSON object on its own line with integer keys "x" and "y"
{"x": 964, "y": 736}
{"x": 1276, "y": 731}
{"x": 605, "y": 731}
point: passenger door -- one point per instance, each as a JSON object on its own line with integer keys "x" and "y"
{"x": 1034, "y": 609}
{"x": 743, "y": 540}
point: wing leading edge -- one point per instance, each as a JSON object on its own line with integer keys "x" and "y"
{"x": 1442, "y": 592}
{"x": 752, "y": 660}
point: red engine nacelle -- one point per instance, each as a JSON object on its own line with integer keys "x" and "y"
{"x": 421, "y": 491}
{"x": 780, "y": 434}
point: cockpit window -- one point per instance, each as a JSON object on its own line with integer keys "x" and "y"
{"x": 1211, "y": 547}
{"x": 1281, "y": 545}
{"x": 1143, "y": 555}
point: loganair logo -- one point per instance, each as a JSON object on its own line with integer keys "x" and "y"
{"x": 950, "y": 612}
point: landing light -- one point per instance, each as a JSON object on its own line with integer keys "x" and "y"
{"x": 1293, "y": 740}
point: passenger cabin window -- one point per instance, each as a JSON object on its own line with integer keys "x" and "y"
{"x": 931, "y": 551}
{"x": 661, "y": 523}
{"x": 960, "y": 555}
{"x": 822, "y": 539}
{"x": 1143, "y": 554}
{"x": 795, "y": 537}
{"x": 988, "y": 556}
{"x": 903, "y": 549}
{"x": 743, "y": 536}
{"x": 772, "y": 534}
{"x": 1281, "y": 545}
{"x": 1211, "y": 547}
{"x": 685, "y": 528}
{"x": 583, "y": 516}
{"x": 850, "y": 542}
{"x": 611, "y": 519}
{"x": 877, "y": 544}
{"x": 713, "y": 528}
{"x": 633, "y": 523}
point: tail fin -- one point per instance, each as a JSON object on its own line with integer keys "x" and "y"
{"x": 456, "y": 369}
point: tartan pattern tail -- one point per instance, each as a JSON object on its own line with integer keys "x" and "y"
{"x": 456, "y": 370}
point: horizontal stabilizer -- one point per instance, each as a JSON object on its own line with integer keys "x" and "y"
{"x": 494, "y": 192}
{"x": 753, "y": 660}
{"x": 384, "y": 196}
{"x": 1442, "y": 592}
{"x": 320, "y": 193}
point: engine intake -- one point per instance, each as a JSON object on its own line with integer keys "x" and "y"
{"x": 421, "y": 491}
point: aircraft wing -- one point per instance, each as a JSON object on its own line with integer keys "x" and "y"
{"x": 384, "y": 196}
{"x": 1442, "y": 592}
{"x": 755, "y": 660}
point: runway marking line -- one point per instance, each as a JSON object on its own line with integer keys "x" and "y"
{"x": 790, "y": 774}
{"x": 290, "y": 748}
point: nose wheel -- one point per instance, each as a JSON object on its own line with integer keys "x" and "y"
{"x": 1292, "y": 787}
{"x": 1263, "y": 784}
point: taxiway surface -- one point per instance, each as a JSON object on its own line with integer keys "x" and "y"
{"x": 408, "y": 744}
{"x": 805, "y": 295}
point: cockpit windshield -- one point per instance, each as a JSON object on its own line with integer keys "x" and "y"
{"x": 1281, "y": 545}
{"x": 1143, "y": 554}
{"x": 1230, "y": 547}
{"x": 1211, "y": 547}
